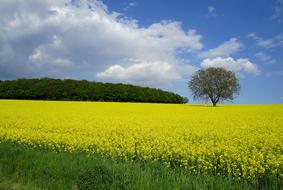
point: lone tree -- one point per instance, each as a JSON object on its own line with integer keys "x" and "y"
{"x": 214, "y": 84}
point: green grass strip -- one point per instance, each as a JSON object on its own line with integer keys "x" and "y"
{"x": 23, "y": 167}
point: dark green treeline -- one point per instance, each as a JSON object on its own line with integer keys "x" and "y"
{"x": 82, "y": 90}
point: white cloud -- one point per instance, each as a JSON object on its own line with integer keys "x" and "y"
{"x": 239, "y": 65}
{"x": 48, "y": 38}
{"x": 265, "y": 58}
{"x": 223, "y": 50}
{"x": 273, "y": 42}
{"x": 221, "y": 57}
{"x": 142, "y": 73}
{"x": 36, "y": 56}
{"x": 147, "y": 73}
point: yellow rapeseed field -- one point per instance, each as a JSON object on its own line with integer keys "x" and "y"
{"x": 244, "y": 141}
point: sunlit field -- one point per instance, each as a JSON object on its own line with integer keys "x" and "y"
{"x": 242, "y": 141}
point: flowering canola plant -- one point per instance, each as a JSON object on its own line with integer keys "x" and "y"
{"x": 243, "y": 141}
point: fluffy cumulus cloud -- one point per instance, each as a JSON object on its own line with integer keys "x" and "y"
{"x": 221, "y": 56}
{"x": 223, "y": 50}
{"x": 236, "y": 65}
{"x": 141, "y": 73}
{"x": 82, "y": 39}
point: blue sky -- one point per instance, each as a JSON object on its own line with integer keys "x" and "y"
{"x": 150, "y": 43}
{"x": 218, "y": 21}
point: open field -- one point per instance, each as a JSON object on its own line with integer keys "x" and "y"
{"x": 244, "y": 142}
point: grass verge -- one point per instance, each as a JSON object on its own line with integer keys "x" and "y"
{"x": 23, "y": 167}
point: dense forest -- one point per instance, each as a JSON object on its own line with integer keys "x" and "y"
{"x": 82, "y": 90}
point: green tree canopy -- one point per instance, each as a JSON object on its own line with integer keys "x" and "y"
{"x": 67, "y": 89}
{"x": 214, "y": 84}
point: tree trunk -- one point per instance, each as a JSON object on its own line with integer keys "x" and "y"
{"x": 214, "y": 104}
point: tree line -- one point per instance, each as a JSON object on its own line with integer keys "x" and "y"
{"x": 82, "y": 90}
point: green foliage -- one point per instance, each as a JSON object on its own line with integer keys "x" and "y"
{"x": 214, "y": 84}
{"x": 95, "y": 178}
{"x": 101, "y": 177}
{"x": 82, "y": 90}
{"x": 23, "y": 167}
